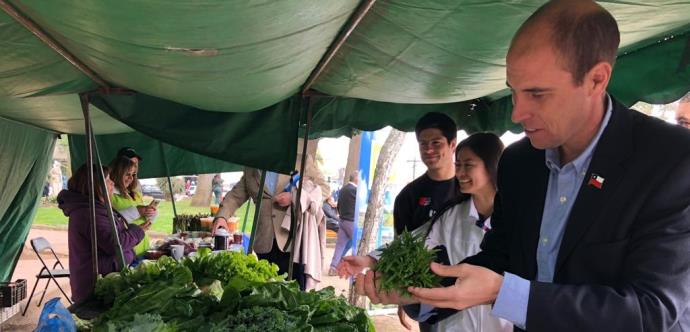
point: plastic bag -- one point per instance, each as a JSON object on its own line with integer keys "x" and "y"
{"x": 55, "y": 317}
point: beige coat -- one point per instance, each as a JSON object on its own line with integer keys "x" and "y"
{"x": 310, "y": 236}
{"x": 271, "y": 217}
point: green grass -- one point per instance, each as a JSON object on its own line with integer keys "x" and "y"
{"x": 51, "y": 215}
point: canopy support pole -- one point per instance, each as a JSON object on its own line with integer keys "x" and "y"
{"x": 296, "y": 212}
{"x": 357, "y": 17}
{"x": 257, "y": 211}
{"x": 89, "y": 171}
{"x": 167, "y": 175}
{"x": 246, "y": 216}
{"x": 34, "y": 28}
{"x": 109, "y": 206}
{"x": 91, "y": 147}
{"x": 172, "y": 196}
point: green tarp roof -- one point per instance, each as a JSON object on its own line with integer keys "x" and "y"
{"x": 221, "y": 78}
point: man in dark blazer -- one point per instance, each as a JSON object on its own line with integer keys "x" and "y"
{"x": 591, "y": 223}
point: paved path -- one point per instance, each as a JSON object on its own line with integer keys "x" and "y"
{"x": 29, "y": 265}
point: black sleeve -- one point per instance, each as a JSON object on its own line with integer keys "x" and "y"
{"x": 402, "y": 211}
{"x": 495, "y": 245}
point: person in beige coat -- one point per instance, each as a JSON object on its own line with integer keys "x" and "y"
{"x": 270, "y": 236}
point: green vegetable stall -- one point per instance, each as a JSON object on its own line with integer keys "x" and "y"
{"x": 226, "y": 291}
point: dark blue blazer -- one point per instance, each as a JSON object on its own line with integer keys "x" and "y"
{"x": 624, "y": 262}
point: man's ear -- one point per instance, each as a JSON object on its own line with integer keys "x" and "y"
{"x": 597, "y": 79}
{"x": 453, "y": 143}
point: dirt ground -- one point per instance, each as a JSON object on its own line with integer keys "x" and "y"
{"x": 29, "y": 265}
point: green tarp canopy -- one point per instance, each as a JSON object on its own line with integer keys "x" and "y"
{"x": 222, "y": 79}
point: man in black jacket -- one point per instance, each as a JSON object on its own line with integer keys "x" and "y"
{"x": 591, "y": 223}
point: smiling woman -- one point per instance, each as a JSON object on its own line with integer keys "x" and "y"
{"x": 458, "y": 228}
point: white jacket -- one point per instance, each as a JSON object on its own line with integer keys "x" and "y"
{"x": 456, "y": 229}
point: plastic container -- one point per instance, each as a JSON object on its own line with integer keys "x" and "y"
{"x": 220, "y": 240}
{"x": 237, "y": 237}
{"x": 12, "y": 293}
{"x": 232, "y": 224}
{"x": 206, "y": 223}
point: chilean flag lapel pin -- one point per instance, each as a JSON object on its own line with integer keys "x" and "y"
{"x": 596, "y": 181}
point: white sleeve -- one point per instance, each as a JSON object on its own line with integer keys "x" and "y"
{"x": 130, "y": 214}
{"x": 434, "y": 238}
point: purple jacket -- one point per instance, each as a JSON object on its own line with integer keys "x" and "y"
{"x": 76, "y": 207}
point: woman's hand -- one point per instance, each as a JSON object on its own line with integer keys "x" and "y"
{"x": 146, "y": 211}
{"x": 366, "y": 285}
{"x": 145, "y": 226}
{"x": 353, "y": 265}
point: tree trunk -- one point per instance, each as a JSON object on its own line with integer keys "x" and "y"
{"x": 352, "y": 157}
{"x": 202, "y": 196}
{"x": 374, "y": 212}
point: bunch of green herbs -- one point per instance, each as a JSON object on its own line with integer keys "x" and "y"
{"x": 406, "y": 262}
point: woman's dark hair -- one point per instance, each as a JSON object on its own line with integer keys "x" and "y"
{"x": 488, "y": 147}
{"x": 79, "y": 181}
{"x": 121, "y": 166}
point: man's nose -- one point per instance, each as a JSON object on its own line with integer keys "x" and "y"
{"x": 520, "y": 110}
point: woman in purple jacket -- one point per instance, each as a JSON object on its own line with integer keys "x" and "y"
{"x": 74, "y": 202}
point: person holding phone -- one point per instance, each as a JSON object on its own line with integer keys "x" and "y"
{"x": 127, "y": 198}
{"x": 74, "y": 202}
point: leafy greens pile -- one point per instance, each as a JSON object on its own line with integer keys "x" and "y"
{"x": 226, "y": 291}
{"x": 406, "y": 262}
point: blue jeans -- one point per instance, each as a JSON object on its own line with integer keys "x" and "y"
{"x": 343, "y": 241}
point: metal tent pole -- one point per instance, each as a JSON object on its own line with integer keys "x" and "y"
{"x": 89, "y": 169}
{"x": 297, "y": 211}
{"x": 39, "y": 32}
{"x": 257, "y": 211}
{"x": 92, "y": 147}
{"x": 350, "y": 26}
{"x": 109, "y": 207}
{"x": 172, "y": 196}
{"x": 246, "y": 216}
{"x": 167, "y": 174}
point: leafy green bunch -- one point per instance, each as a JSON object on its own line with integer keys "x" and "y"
{"x": 225, "y": 291}
{"x": 143, "y": 322}
{"x": 116, "y": 284}
{"x": 406, "y": 262}
{"x": 230, "y": 268}
{"x": 262, "y": 319}
{"x": 317, "y": 311}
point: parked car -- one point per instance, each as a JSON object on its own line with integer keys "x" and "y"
{"x": 152, "y": 191}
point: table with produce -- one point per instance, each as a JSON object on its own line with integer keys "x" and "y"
{"x": 226, "y": 290}
{"x": 193, "y": 232}
{"x": 200, "y": 279}
{"x": 216, "y": 291}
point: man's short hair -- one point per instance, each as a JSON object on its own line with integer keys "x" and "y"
{"x": 353, "y": 176}
{"x": 440, "y": 121}
{"x": 583, "y": 38}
